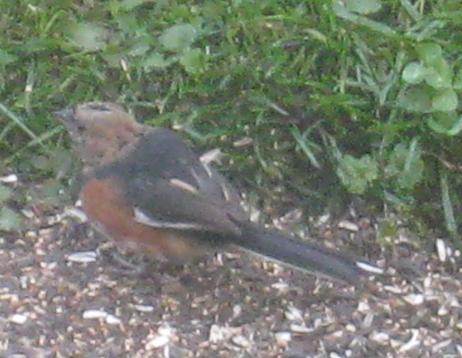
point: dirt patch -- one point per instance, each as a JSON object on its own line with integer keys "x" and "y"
{"x": 62, "y": 295}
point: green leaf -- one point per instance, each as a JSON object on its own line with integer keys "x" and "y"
{"x": 156, "y": 61}
{"x": 416, "y": 99}
{"x": 193, "y": 61}
{"x": 304, "y": 144}
{"x": 5, "y": 193}
{"x": 61, "y": 161}
{"x": 128, "y": 5}
{"x": 405, "y": 165}
{"x": 457, "y": 85}
{"x": 9, "y": 219}
{"x": 439, "y": 74}
{"x": 178, "y": 37}
{"x": 363, "y": 6}
{"x": 88, "y": 36}
{"x": 342, "y": 12}
{"x": 413, "y": 168}
{"x": 52, "y": 192}
{"x": 445, "y": 123}
{"x": 445, "y": 100}
{"x": 414, "y": 73}
{"x": 357, "y": 174}
{"x": 140, "y": 47}
{"x": 6, "y": 58}
{"x": 429, "y": 52}
{"x": 387, "y": 229}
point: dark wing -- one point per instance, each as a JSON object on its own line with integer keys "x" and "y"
{"x": 170, "y": 187}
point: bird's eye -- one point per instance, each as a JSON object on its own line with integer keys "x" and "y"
{"x": 99, "y": 107}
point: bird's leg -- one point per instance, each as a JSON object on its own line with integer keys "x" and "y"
{"x": 129, "y": 263}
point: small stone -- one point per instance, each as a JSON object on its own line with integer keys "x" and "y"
{"x": 364, "y": 307}
{"x": 157, "y": 342}
{"x": 334, "y": 355}
{"x": 379, "y": 337}
{"x": 414, "y": 299}
{"x": 350, "y": 328}
{"x": 75, "y": 213}
{"x": 293, "y": 314}
{"x": 283, "y": 338}
{"x": 28, "y": 213}
{"x": 165, "y": 330}
{"x": 368, "y": 319}
{"x": 18, "y": 318}
{"x": 443, "y": 311}
{"x": 216, "y": 334}
{"x": 241, "y": 341}
{"x": 237, "y": 310}
{"x": 220, "y": 333}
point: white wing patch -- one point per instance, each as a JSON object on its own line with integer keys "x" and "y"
{"x": 142, "y": 218}
{"x": 180, "y": 184}
{"x": 225, "y": 191}
{"x": 207, "y": 169}
{"x": 369, "y": 268}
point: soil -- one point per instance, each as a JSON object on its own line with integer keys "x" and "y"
{"x": 63, "y": 294}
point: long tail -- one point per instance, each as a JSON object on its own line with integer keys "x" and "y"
{"x": 301, "y": 255}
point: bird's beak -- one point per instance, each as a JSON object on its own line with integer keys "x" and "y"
{"x": 65, "y": 115}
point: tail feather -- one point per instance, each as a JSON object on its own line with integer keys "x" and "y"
{"x": 305, "y": 256}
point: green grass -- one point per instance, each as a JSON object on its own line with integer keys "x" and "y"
{"x": 340, "y": 100}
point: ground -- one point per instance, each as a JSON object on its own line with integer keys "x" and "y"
{"x": 63, "y": 295}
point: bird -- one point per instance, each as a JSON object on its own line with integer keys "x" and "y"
{"x": 146, "y": 189}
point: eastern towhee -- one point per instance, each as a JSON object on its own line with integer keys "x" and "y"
{"x": 148, "y": 191}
